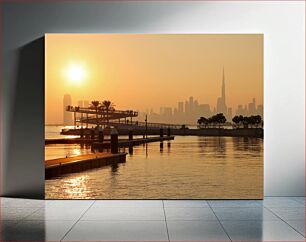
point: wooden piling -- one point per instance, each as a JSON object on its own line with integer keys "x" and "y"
{"x": 130, "y": 134}
{"x": 161, "y": 132}
{"x": 101, "y": 137}
{"x": 92, "y": 134}
{"x": 114, "y": 141}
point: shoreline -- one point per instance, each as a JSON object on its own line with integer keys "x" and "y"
{"x": 239, "y": 132}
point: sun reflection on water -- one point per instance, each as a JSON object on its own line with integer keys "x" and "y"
{"x": 76, "y": 152}
{"x": 77, "y": 187}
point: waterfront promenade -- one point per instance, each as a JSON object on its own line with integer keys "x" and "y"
{"x": 238, "y": 132}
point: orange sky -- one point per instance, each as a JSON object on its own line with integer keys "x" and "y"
{"x": 144, "y": 71}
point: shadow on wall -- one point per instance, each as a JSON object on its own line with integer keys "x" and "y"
{"x": 26, "y": 134}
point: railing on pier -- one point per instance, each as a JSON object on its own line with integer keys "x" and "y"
{"x": 129, "y": 123}
{"x": 103, "y": 111}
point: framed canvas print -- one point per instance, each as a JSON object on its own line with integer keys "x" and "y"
{"x": 154, "y": 116}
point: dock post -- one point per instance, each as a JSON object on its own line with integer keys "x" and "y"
{"x": 168, "y": 131}
{"x": 86, "y": 120}
{"x": 131, "y": 149}
{"x": 92, "y": 134}
{"x": 101, "y": 137}
{"x": 82, "y": 133}
{"x": 74, "y": 115}
{"x": 100, "y": 140}
{"x": 161, "y": 133}
{"x": 114, "y": 141}
{"x": 130, "y": 134}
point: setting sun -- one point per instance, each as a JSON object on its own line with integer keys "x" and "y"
{"x": 75, "y": 73}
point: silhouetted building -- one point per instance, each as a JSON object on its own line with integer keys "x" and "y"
{"x": 196, "y": 107}
{"x": 180, "y": 107}
{"x": 186, "y": 107}
{"x": 221, "y": 102}
{"x": 67, "y": 118}
{"x": 175, "y": 112}
{"x": 239, "y": 110}
{"x": 252, "y": 107}
{"x": 191, "y": 105}
{"x": 260, "y": 110}
{"x": 204, "y": 110}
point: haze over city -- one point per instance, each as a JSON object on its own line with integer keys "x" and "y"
{"x": 152, "y": 73}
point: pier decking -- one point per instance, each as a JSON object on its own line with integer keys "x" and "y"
{"x": 57, "y": 167}
{"x": 106, "y": 143}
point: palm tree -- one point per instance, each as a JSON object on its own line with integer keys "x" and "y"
{"x": 202, "y": 121}
{"x": 239, "y": 120}
{"x": 220, "y": 119}
{"x": 211, "y": 121}
{"x": 236, "y": 120}
{"x": 96, "y": 106}
{"x": 252, "y": 120}
{"x": 246, "y": 121}
{"x": 257, "y": 120}
{"x": 109, "y": 106}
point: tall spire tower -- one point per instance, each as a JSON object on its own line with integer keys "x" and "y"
{"x": 221, "y": 103}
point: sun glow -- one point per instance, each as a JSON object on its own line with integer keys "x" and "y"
{"x": 75, "y": 73}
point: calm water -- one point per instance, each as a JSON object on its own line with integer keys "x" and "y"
{"x": 188, "y": 167}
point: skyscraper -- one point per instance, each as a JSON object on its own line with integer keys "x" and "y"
{"x": 204, "y": 110}
{"x": 252, "y": 107}
{"x": 186, "y": 107}
{"x": 67, "y": 118}
{"x": 191, "y": 105}
{"x": 180, "y": 107}
{"x": 221, "y": 102}
{"x": 260, "y": 110}
{"x": 223, "y": 86}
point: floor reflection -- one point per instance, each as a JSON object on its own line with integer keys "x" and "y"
{"x": 273, "y": 219}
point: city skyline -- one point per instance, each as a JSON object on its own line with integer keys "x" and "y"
{"x": 186, "y": 112}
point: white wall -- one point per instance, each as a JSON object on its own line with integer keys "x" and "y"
{"x": 283, "y": 25}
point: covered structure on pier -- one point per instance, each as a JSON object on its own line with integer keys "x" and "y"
{"x": 101, "y": 117}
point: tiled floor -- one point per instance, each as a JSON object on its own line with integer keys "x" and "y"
{"x": 274, "y": 219}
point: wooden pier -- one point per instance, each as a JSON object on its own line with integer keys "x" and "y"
{"x": 61, "y": 166}
{"x": 128, "y": 143}
{"x": 106, "y": 143}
